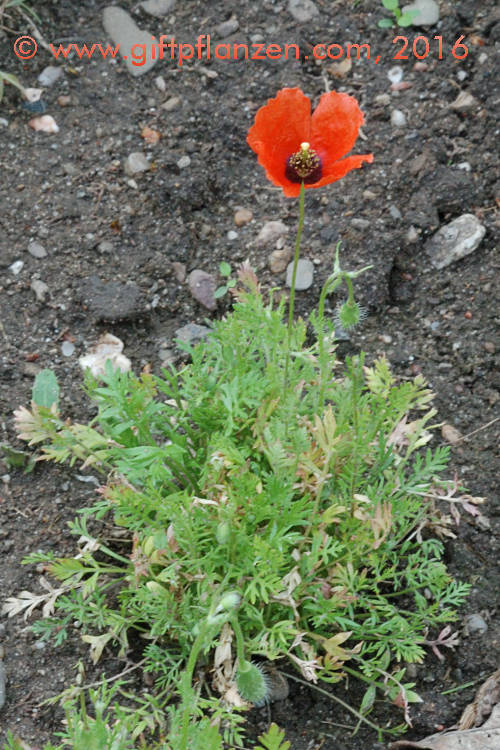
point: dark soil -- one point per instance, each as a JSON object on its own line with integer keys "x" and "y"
{"x": 69, "y": 192}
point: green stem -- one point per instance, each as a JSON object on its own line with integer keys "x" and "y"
{"x": 240, "y": 642}
{"x": 294, "y": 276}
{"x": 186, "y": 679}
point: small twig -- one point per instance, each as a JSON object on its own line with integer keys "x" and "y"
{"x": 484, "y": 426}
{"x": 36, "y": 31}
{"x": 337, "y": 700}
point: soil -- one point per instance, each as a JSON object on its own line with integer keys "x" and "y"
{"x": 69, "y": 192}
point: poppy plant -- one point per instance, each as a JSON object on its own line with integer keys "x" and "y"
{"x": 295, "y": 147}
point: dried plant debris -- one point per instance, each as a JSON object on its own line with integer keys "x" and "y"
{"x": 471, "y": 733}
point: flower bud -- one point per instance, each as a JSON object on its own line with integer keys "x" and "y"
{"x": 252, "y": 683}
{"x": 349, "y": 315}
{"x": 223, "y": 532}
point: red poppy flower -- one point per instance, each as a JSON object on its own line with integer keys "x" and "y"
{"x": 293, "y": 146}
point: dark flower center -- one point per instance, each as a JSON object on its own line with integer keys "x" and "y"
{"x": 304, "y": 165}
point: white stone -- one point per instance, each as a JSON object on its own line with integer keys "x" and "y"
{"x": 45, "y": 123}
{"x": 160, "y": 84}
{"x": 464, "y": 101}
{"x": 232, "y": 235}
{"x": 395, "y": 74}
{"x": 36, "y": 250}
{"x": 16, "y": 267}
{"x": 49, "y": 76}
{"x": 184, "y": 162}
{"x": 226, "y": 28}
{"x": 67, "y": 348}
{"x": 398, "y": 118}
{"x": 136, "y": 163}
{"x": 305, "y": 274}
{"x": 157, "y": 8}
{"x": 428, "y": 12}
{"x": 136, "y": 46}
{"x": 455, "y": 240}
{"x": 302, "y": 10}
{"x": 107, "y": 347}
{"x": 40, "y": 288}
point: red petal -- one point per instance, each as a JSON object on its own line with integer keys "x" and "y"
{"x": 334, "y": 127}
{"x": 279, "y": 129}
{"x": 337, "y": 170}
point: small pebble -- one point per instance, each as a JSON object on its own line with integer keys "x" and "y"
{"x": 49, "y": 75}
{"x": 105, "y": 246}
{"x": 270, "y": 232}
{"x": 395, "y": 74}
{"x": 179, "y": 271}
{"x": 202, "y": 286}
{"x": 184, "y": 162}
{"x": 40, "y": 288}
{"x": 395, "y": 212}
{"x": 64, "y": 100}
{"x": 463, "y": 102}
{"x": 279, "y": 259}
{"x": 16, "y": 267}
{"x": 192, "y": 333}
{"x": 232, "y": 235}
{"x": 475, "y": 625}
{"x": 226, "y": 28}
{"x": 242, "y": 216}
{"x": 398, "y": 118}
{"x": 383, "y": 100}
{"x": 171, "y": 104}
{"x": 359, "y": 223}
{"x": 37, "y": 250}
{"x": 302, "y": 10}
{"x": 489, "y": 346}
{"x": 67, "y": 348}
{"x": 136, "y": 163}
{"x": 305, "y": 273}
{"x": 160, "y": 84}
{"x": 44, "y": 123}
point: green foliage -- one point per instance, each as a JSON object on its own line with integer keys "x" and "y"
{"x": 46, "y": 389}
{"x": 400, "y": 18}
{"x": 225, "y": 270}
{"x": 300, "y": 504}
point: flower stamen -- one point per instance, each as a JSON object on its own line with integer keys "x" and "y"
{"x": 304, "y": 165}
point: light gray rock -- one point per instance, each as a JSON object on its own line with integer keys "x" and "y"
{"x": 305, "y": 273}
{"x": 270, "y": 232}
{"x": 136, "y": 46}
{"x": 67, "y": 348}
{"x": 398, "y": 118}
{"x": 428, "y": 12}
{"x": 37, "y": 250}
{"x": 226, "y": 28}
{"x": 184, "y": 162}
{"x": 475, "y": 625}
{"x": 302, "y": 10}
{"x": 455, "y": 240}
{"x": 202, "y": 286}
{"x": 157, "y": 8}
{"x": 136, "y": 163}
{"x": 40, "y": 288}
{"x": 49, "y": 75}
{"x": 192, "y": 333}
